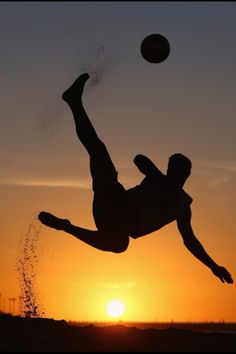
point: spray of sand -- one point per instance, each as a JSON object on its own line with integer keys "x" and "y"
{"x": 97, "y": 64}
{"x": 27, "y": 271}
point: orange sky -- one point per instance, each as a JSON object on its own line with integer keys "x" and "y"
{"x": 185, "y": 104}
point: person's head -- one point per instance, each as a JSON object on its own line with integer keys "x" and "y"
{"x": 179, "y": 169}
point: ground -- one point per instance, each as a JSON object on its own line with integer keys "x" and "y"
{"x": 37, "y": 334}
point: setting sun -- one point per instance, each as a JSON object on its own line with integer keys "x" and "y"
{"x": 115, "y": 308}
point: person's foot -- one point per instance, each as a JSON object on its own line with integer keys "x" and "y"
{"x": 76, "y": 89}
{"x": 52, "y": 221}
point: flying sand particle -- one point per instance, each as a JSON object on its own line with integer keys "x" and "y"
{"x": 27, "y": 270}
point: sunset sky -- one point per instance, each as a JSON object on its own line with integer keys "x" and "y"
{"x": 185, "y": 104}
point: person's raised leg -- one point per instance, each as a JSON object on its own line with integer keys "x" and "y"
{"x": 84, "y": 128}
{"x": 104, "y": 175}
{"x": 97, "y": 239}
{"x": 101, "y": 165}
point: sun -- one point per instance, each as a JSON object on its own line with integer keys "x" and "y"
{"x": 115, "y": 308}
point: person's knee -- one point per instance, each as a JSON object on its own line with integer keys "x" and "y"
{"x": 121, "y": 246}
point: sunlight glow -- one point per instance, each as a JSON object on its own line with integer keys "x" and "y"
{"x": 115, "y": 308}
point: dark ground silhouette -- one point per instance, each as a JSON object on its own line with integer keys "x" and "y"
{"x": 37, "y": 334}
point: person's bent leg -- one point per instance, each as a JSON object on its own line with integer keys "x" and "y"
{"x": 97, "y": 239}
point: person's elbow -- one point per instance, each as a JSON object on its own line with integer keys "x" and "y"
{"x": 138, "y": 159}
{"x": 141, "y": 162}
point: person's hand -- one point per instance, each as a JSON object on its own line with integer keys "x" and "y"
{"x": 222, "y": 274}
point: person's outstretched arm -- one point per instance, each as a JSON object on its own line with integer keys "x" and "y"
{"x": 196, "y": 248}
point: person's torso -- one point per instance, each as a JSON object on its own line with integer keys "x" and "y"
{"x": 156, "y": 205}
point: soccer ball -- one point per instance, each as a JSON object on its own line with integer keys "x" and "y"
{"x": 155, "y": 48}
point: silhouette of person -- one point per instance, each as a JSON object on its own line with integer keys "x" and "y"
{"x": 119, "y": 213}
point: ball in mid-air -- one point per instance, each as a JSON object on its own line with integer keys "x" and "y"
{"x": 155, "y": 48}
